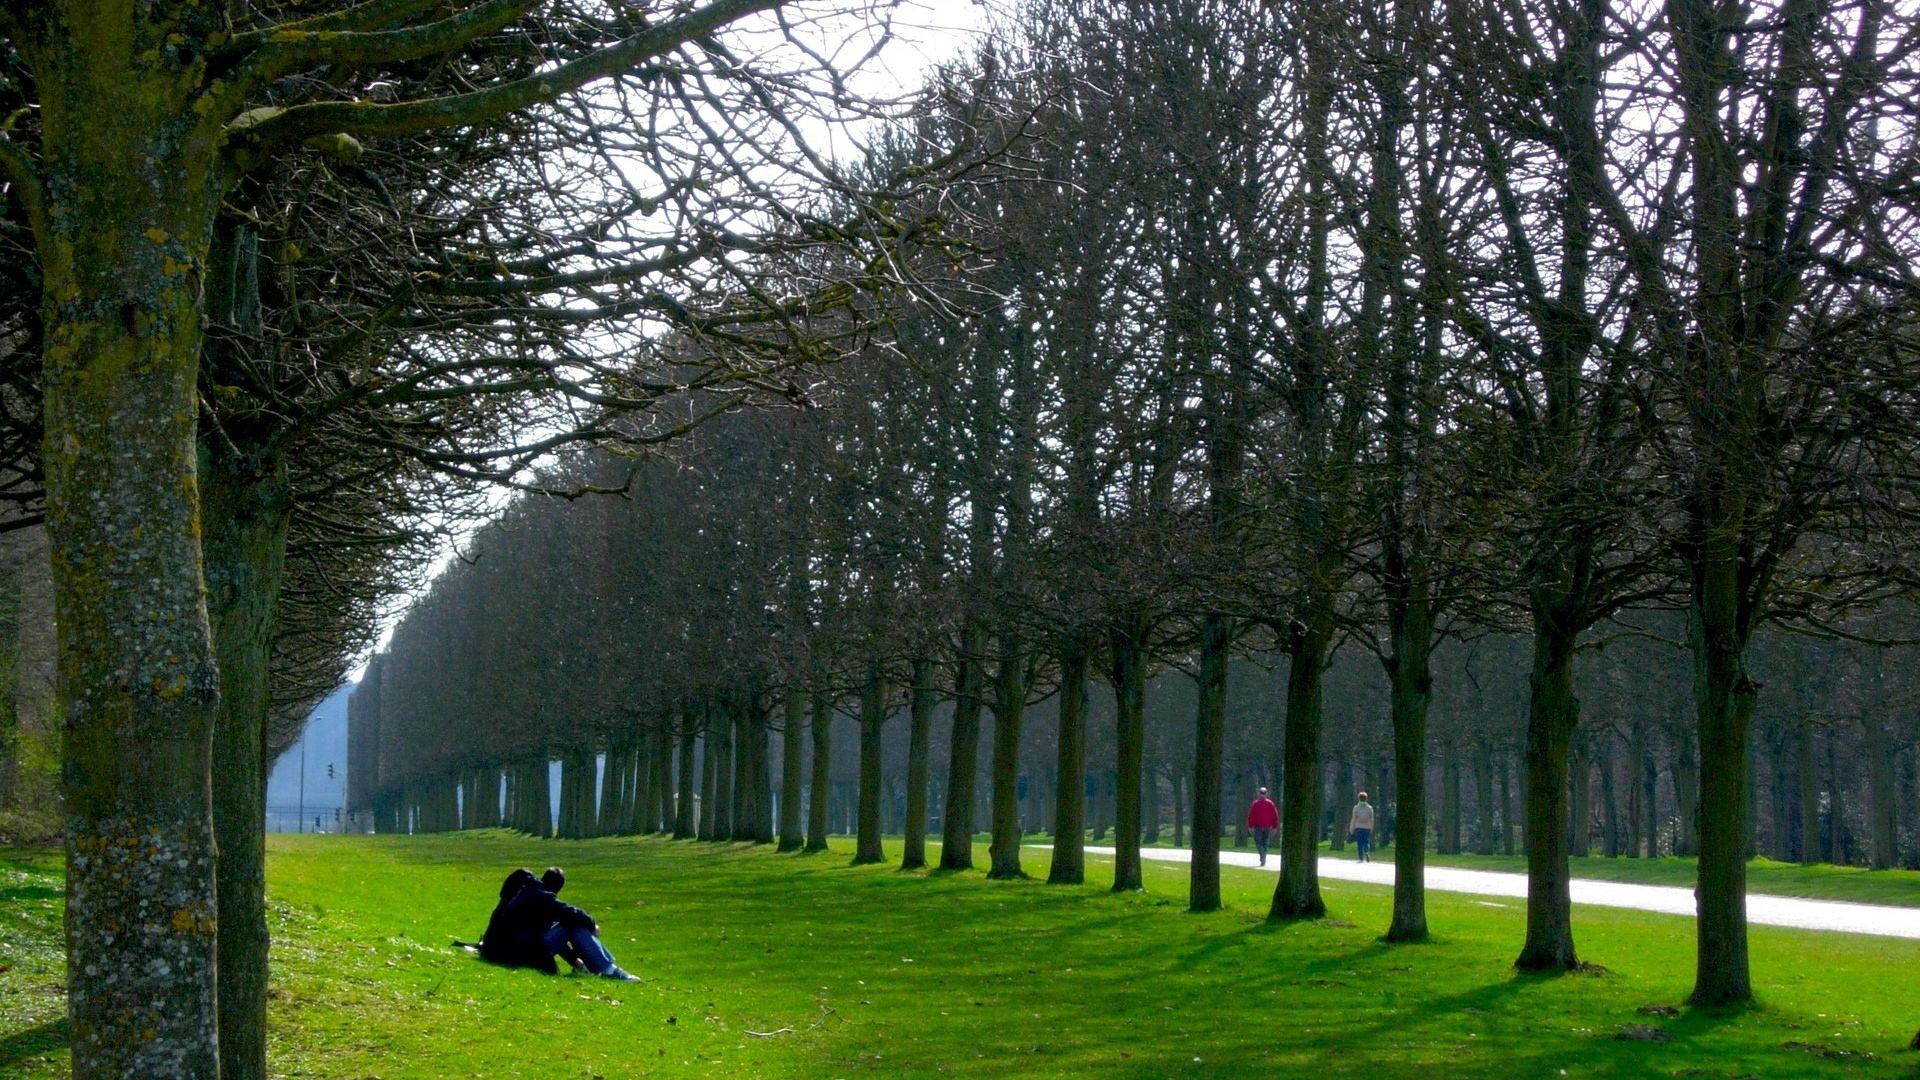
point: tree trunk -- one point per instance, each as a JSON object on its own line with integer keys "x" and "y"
{"x": 1009, "y": 705}
{"x": 1809, "y": 776}
{"x": 1343, "y": 797}
{"x": 1686, "y": 794}
{"x": 1129, "y": 689}
{"x": 1837, "y": 850}
{"x": 245, "y": 512}
{"x": 1507, "y": 815}
{"x": 709, "y": 781}
{"x": 963, "y": 761}
{"x": 1581, "y": 813}
{"x": 1552, "y": 714}
{"x": 1150, "y": 794}
{"x": 762, "y": 777}
{"x": 1450, "y": 805}
{"x": 683, "y": 806}
{"x": 793, "y": 749}
{"x": 1069, "y": 866}
{"x": 1483, "y": 800}
{"x": 1649, "y": 781}
{"x": 1410, "y": 686}
{"x": 130, "y": 196}
{"x": 821, "y": 783}
{"x": 919, "y": 737}
{"x": 540, "y": 797}
{"x": 1883, "y": 819}
{"x": 1177, "y": 786}
{"x": 1298, "y": 893}
{"x": 1611, "y": 841}
{"x": 1724, "y": 696}
{"x": 1209, "y": 742}
{"x": 873, "y": 716}
{"x": 1638, "y": 812}
{"x": 723, "y": 772}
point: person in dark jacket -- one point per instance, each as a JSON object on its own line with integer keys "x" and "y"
{"x": 496, "y": 945}
{"x": 534, "y": 925}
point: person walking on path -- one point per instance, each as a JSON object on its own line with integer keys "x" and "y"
{"x": 1362, "y": 824}
{"x": 1263, "y": 818}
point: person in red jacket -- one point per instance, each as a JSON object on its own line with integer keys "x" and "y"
{"x": 1263, "y": 818}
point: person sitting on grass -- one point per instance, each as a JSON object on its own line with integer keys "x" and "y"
{"x": 532, "y": 925}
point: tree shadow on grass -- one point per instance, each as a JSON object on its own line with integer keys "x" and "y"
{"x": 29, "y": 892}
{"x": 22, "y": 1046}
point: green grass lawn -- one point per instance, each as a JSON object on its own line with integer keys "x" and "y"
{"x": 765, "y": 965}
{"x": 1822, "y": 881}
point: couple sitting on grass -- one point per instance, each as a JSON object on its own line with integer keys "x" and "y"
{"x": 530, "y": 926}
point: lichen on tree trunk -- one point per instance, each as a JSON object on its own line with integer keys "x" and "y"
{"x": 131, "y": 193}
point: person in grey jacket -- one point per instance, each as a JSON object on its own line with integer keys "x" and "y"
{"x": 1362, "y": 824}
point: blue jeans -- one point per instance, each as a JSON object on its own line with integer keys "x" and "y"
{"x": 582, "y": 943}
{"x": 1261, "y": 837}
{"x": 1363, "y": 842}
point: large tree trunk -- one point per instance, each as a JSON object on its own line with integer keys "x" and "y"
{"x": 1410, "y": 686}
{"x": 12, "y": 585}
{"x": 820, "y": 794}
{"x": 1129, "y": 689}
{"x": 1069, "y": 866}
{"x": 1298, "y": 893}
{"x": 873, "y": 717}
{"x": 963, "y": 761}
{"x": 793, "y": 750}
{"x": 1552, "y": 713}
{"x": 1725, "y": 700}
{"x": 919, "y": 737}
{"x": 1009, "y": 705}
{"x": 1209, "y": 741}
{"x": 245, "y": 510}
{"x": 244, "y": 539}
{"x": 130, "y": 195}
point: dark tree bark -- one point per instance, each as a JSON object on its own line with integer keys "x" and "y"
{"x": 1209, "y": 738}
{"x": 1069, "y": 865}
{"x": 919, "y": 734}
{"x": 683, "y": 810}
{"x": 1410, "y": 686}
{"x": 1809, "y": 775}
{"x": 1009, "y": 707}
{"x": 793, "y": 751}
{"x": 873, "y": 718}
{"x": 1298, "y": 893}
{"x": 821, "y": 794}
{"x": 1552, "y": 714}
{"x": 1129, "y": 688}
{"x": 963, "y": 761}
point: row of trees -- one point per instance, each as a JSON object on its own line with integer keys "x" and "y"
{"x": 1830, "y": 786}
{"x": 289, "y": 286}
{"x": 1305, "y": 327}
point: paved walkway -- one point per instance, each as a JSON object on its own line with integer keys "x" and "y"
{"x": 1762, "y": 910}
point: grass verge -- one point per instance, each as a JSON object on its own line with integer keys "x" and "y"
{"x": 765, "y": 965}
